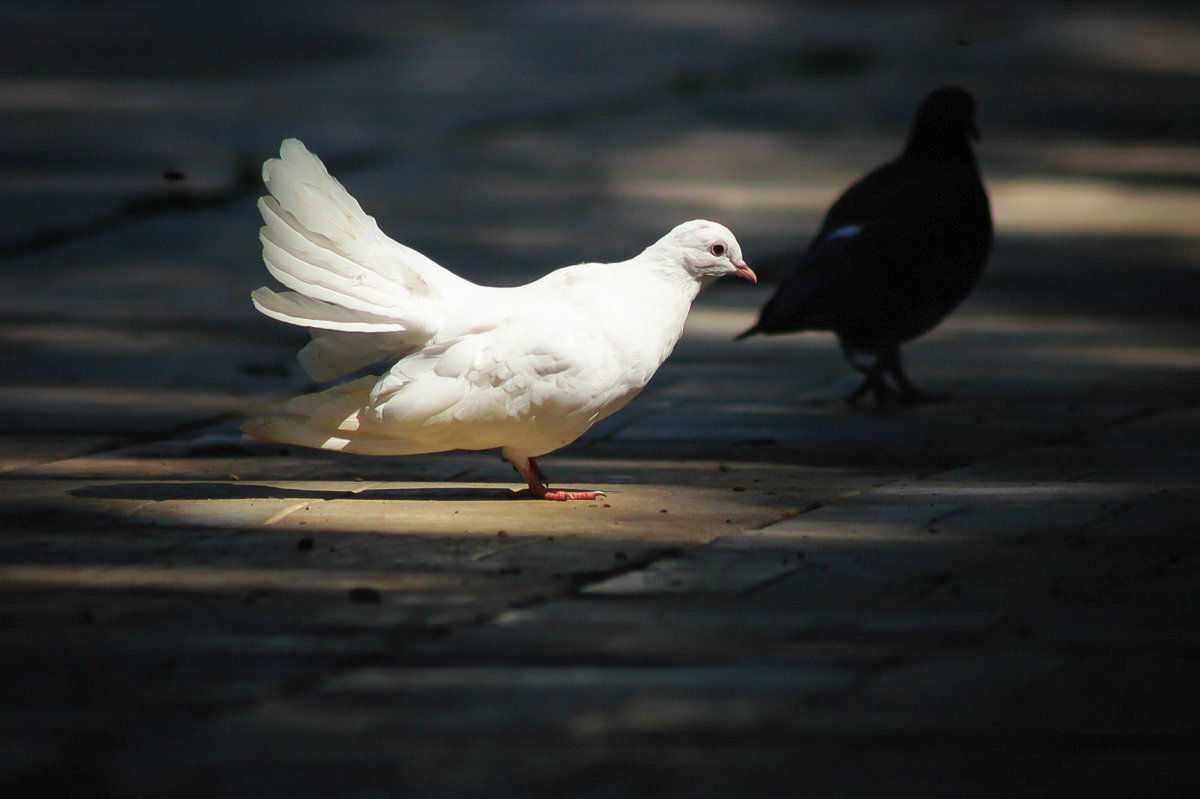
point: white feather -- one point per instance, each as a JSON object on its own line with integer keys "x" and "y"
{"x": 332, "y": 354}
{"x": 297, "y": 309}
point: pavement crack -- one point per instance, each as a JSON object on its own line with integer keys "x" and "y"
{"x": 577, "y": 582}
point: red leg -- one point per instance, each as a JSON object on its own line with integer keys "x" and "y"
{"x": 533, "y": 475}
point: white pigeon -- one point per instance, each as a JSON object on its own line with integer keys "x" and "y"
{"x": 527, "y": 369}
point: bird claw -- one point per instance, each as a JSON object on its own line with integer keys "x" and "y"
{"x": 555, "y": 495}
{"x": 561, "y": 496}
{"x": 536, "y": 479}
{"x": 886, "y": 395}
{"x": 900, "y": 390}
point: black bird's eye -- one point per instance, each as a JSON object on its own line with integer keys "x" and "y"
{"x": 717, "y": 249}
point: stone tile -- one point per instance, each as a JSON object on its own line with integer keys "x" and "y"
{"x": 1171, "y": 430}
{"x": 705, "y": 627}
{"x": 104, "y": 411}
{"x": 644, "y": 513}
{"x": 965, "y": 691}
{"x": 22, "y": 451}
{"x": 873, "y": 517}
{"x": 710, "y": 570}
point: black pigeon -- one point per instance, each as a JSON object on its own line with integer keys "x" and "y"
{"x": 897, "y": 252}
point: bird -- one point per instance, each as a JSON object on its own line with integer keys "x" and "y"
{"x": 896, "y": 252}
{"x": 526, "y": 369}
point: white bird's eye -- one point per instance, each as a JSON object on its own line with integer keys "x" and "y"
{"x": 717, "y": 249}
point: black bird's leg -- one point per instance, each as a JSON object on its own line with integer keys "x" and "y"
{"x": 874, "y": 383}
{"x": 873, "y": 378}
{"x": 908, "y": 394}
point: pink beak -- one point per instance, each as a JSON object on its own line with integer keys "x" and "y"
{"x": 745, "y": 271}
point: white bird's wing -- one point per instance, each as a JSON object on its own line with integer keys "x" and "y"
{"x": 471, "y": 391}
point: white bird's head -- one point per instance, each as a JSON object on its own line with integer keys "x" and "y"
{"x": 706, "y": 250}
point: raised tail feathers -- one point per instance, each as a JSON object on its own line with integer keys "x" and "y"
{"x": 365, "y": 297}
{"x": 317, "y": 240}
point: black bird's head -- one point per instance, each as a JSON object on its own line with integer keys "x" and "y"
{"x": 946, "y": 115}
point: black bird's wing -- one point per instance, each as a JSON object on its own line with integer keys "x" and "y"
{"x": 859, "y": 281}
{"x": 867, "y": 242}
{"x": 887, "y": 192}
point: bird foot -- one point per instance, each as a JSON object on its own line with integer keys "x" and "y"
{"x": 875, "y": 384}
{"x": 905, "y": 394}
{"x": 555, "y": 495}
{"x": 536, "y": 479}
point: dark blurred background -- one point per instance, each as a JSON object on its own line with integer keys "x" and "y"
{"x": 515, "y": 135}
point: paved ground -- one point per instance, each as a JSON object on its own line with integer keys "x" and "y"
{"x": 994, "y": 596}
